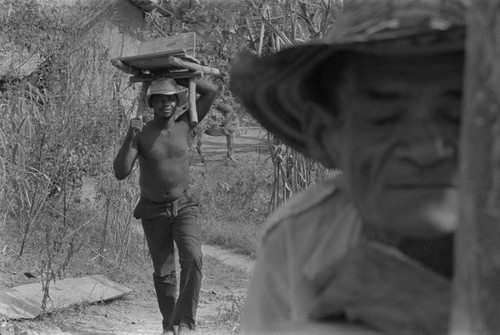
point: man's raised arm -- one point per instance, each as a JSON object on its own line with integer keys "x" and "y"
{"x": 207, "y": 92}
{"x": 125, "y": 159}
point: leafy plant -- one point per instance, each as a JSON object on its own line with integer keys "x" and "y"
{"x": 58, "y": 126}
{"x": 229, "y": 312}
{"x": 272, "y": 27}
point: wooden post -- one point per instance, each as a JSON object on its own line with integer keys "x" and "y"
{"x": 193, "y": 113}
{"x": 476, "y": 291}
{"x": 124, "y": 67}
{"x": 142, "y": 100}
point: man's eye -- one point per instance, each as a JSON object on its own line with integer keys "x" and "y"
{"x": 384, "y": 95}
{"x": 381, "y": 116}
{"x": 383, "y": 121}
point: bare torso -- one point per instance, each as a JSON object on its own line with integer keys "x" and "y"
{"x": 164, "y": 161}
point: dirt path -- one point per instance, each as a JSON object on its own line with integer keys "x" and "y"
{"x": 249, "y": 139}
{"x": 148, "y": 317}
{"x": 229, "y": 258}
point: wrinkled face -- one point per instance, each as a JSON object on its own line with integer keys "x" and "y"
{"x": 164, "y": 106}
{"x": 397, "y": 145}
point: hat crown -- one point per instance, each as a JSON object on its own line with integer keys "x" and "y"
{"x": 164, "y": 86}
{"x": 370, "y": 20}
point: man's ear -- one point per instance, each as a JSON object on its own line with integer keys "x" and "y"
{"x": 317, "y": 124}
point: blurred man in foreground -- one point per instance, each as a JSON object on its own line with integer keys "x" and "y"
{"x": 380, "y": 98}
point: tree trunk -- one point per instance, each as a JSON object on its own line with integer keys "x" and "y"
{"x": 476, "y": 292}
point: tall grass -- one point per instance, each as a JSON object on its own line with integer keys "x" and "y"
{"x": 293, "y": 172}
{"x": 234, "y": 201}
{"x": 59, "y": 125}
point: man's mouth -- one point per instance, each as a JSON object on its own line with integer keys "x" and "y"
{"x": 437, "y": 180}
{"x": 430, "y": 186}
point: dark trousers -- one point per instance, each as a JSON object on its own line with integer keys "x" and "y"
{"x": 163, "y": 224}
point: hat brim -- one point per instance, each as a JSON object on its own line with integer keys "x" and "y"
{"x": 272, "y": 87}
{"x": 181, "y": 95}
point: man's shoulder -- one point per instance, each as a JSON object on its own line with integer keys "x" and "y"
{"x": 310, "y": 200}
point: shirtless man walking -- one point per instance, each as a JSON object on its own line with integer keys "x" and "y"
{"x": 166, "y": 209}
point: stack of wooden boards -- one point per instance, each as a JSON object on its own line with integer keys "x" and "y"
{"x": 168, "y": 57}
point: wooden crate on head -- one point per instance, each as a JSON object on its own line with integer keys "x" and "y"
{"x": 166, "y": 57}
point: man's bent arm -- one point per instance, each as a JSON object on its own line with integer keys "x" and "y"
{"x": 125, "y": 159}
{"x": 207, "y": 92}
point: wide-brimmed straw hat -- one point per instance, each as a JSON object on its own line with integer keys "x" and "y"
{"x": 166, "y": 86}
{"x": 273, "y": 88}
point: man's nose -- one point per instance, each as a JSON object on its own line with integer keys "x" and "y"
{"x": 427, "y": 149}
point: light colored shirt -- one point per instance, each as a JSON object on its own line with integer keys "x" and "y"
{"x": 308, "y": 234}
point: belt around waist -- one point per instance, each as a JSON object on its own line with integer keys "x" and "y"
{"x": 171, "y": 205}
{"x": 166, "y": 203}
